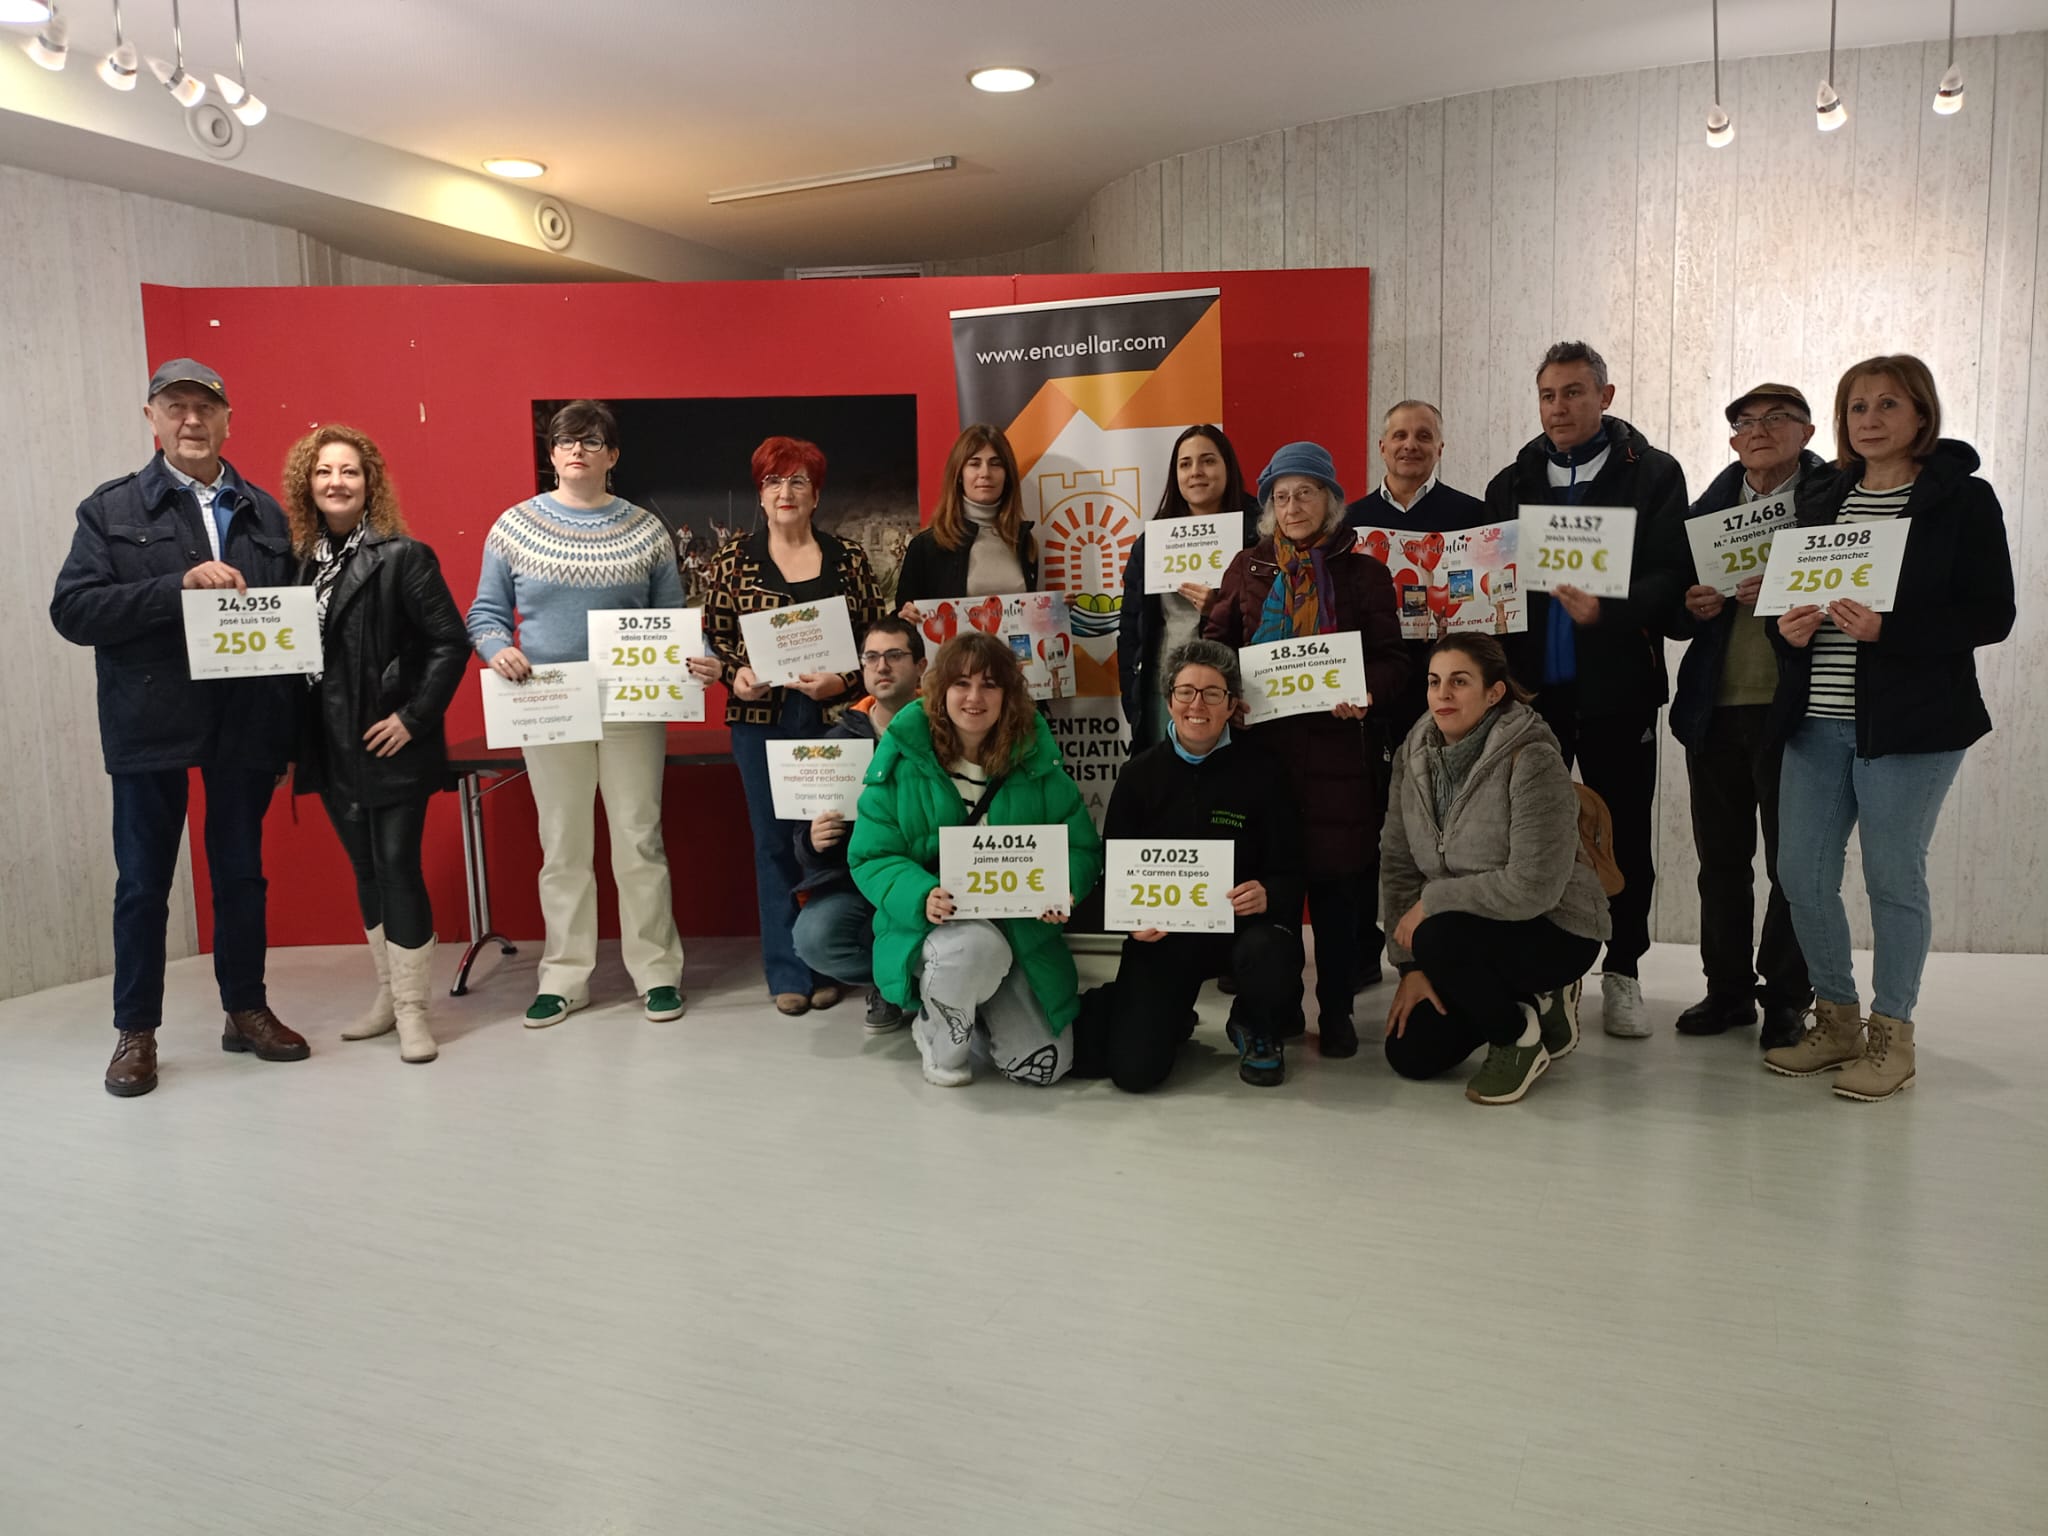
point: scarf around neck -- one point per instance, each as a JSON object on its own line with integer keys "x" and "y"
{"x": 1451, "y": 764}
{"x": 329, "y": 561}
{"x": 1303, "y": 600}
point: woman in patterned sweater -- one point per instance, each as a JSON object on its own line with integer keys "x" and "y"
{"x": 547, "y": 563}
{"x": 787, "y": 560}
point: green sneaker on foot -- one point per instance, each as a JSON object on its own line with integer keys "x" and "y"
{"x": 1508, "y": 1072}
{"x": 1557, "y": 1015}
{"x": 664, "y": 1003}
{"x": 548, "y": 1009}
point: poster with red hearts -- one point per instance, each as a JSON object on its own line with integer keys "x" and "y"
{"x": 1462, "y": 582}
{"x": 1033, "y": 624}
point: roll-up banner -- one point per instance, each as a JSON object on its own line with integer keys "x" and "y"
{"x": 1091, "y": 394}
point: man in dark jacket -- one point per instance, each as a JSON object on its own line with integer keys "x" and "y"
{"x": 186, "y": 522}
{"x": 1596, "y": 664}
{"x": 1204, "y": 782}
{"x": 1722, "y": 717}
{"x": 834, "y": 933}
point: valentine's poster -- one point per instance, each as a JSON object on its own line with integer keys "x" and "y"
{"x": 1033, "y": 624}
{"x": 1464, "y": 582}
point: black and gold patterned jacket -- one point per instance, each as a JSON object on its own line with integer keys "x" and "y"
{"x": 740, "y": 581}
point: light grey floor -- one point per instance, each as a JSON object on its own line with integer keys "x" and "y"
{"x": 744, "y": 1274}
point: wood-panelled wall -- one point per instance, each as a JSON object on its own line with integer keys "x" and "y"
{"x": 1497, "y": 223}
{"x": 71, "y": 389}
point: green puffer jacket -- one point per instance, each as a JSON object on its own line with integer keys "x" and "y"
{"x": 894, "y": 855}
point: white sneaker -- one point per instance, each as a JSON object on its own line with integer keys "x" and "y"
{"x": 1621, "y": 1006}
{"x": 921, "y": 1031}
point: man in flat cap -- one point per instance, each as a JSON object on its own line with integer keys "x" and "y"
{"x": 185, "y": 521}
{"x": 1725, "y": 684}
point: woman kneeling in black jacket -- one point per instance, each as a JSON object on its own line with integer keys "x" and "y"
{"x": 393, "y": 651}
{"x": 1204, "y": 782}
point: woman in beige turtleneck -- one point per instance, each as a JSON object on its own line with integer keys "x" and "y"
{"x": 978, "y": 544}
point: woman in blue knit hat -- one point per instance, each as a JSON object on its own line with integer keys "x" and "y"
{"x": 1305, "y": 578}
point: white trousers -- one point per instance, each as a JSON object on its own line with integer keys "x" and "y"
{"x": 978, "y": 1003}
{"x": 627, "y": 767}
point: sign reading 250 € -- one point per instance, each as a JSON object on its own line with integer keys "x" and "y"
{"x": 1590, "y": 548}
{"x": 263, "y": 632}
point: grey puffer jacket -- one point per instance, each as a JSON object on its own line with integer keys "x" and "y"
{"x": 1510, "y": 847}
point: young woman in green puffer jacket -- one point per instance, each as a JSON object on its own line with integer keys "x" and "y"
{"x": 1006, "y": 987}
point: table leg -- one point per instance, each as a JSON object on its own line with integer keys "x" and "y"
{"x": 476, "y": 870}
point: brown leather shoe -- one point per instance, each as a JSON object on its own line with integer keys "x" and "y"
{"x": 826, "y": 995}
{"x": 260, "y": 1031}
{"x": 792, "y": 1003}
{"x": 132, "y": 1072}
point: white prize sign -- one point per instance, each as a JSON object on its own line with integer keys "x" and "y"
{"x": 1175, "y": 887}
{"x": 1183, "y": 549}
{"x": 640, "y": 656}
{"x": 1036, "y": 626}
{"x": 1005, "y": 871}
{"x": 556, "y": 703}
{"x": 1819, "y": 565}
{"x": 784, "y": 643}
{"x": 812, "y": 777}
{"x": 1734, "y": 544}
{"x": 262, "y": 632}
{"x": 1303, "y": 677}
{"x": 1585, "y": 547}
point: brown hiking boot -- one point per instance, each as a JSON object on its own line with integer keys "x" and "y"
{"x": 1835, "y": 1040}
{"x": 1886, "y": 1065}
{"x": 132, "y": 1072}
{"x": 262, "y": 1033}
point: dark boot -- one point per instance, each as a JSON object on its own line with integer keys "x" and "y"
{"x": 262, "y": 1033}
{"x": 1783, "y": 1024}
{"x": 132, "y": 1072}
{"x": 1337, "y": 1036}
{"x": 1719, "y": 1012}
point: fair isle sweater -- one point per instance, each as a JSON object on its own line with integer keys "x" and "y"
{"x": 547, "y": 564}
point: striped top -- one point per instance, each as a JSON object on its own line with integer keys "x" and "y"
{"x": 970, "y": 781}
{"x": 1831, "y": 691}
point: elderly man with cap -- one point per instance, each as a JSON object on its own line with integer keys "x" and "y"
{"x": 185, "y": 521}
{"x": 1725, "y": 686}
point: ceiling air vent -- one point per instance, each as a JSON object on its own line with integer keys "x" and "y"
{"x": 886, "y": 269}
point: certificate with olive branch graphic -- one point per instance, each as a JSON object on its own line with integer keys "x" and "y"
{"x": 816, "y": 776}
{"x": 784, "y": 643}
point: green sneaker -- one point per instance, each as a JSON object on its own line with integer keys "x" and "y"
{"x": 549, "y": 1009}
{"x": 1557, "y": 1015}
{"x": 1508, "y": 1072}
{"x": 664, "y": 1003}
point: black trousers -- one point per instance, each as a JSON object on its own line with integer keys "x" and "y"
{"x": 383, "y": 846}
{"x": 1617, "y": 759}
{"x": 1484, "y": 970}
{"x": 1339, "y": 906}
{"x": 1734, "y": 776}
{"x": 1156, "y": 985}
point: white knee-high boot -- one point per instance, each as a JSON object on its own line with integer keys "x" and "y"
{"x": 380, "y": 1018}
{"x": 412, "y": 983}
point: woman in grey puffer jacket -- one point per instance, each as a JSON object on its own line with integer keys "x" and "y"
{"x": 1494, "y": 916}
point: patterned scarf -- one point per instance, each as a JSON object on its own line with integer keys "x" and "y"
{"x": 329, "y": 561}
{"x": 1303, "y": 600}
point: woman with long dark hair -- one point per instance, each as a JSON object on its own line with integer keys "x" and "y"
{"x": 978, "y": 544}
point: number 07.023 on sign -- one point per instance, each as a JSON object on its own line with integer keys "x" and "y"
{"x": 1303, "y": 677}
{"x": 263, "y": 632}
{"x": 1819, "y": 566}
{"x": 1590, "y": 548}
{"x": 1005, "y": 871}
{"x": 1174, "y": 887}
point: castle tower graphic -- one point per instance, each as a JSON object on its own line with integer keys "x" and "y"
{"x": 1085, "y": 533}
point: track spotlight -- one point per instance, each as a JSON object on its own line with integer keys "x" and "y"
{"x": 118, "y": 68}
{"x": 235, "y": 92}
{"x": 1948, "y": 96}
{"x": 1829, "y": 113}
{"x": 1720, "y": 127}
{"x": 188, "y": 89}
{"x": 50, "y": 46}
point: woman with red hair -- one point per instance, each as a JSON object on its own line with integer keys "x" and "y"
{"x": 787, "y": 560}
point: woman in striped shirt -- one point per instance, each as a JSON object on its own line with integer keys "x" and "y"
{"x": 1876, "y": 710}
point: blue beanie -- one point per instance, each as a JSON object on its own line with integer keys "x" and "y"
{"x": 1310, "y": 459}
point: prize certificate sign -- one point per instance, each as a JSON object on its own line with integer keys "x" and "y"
{"x": 1175, "y": 887}
{"x": 1183, "y": 549}
{"x": 1005, "y": 871}
{"x": 557, "y": 703}
{"x": 640, "y": 656}
{"x": 784, "y": 643}
{"x": 1034, "y": 625}
{"x": 1731, "y": 545}
{"x": 1819, "y": 565}
{"x": 812, "y": 777}
{"x": 1303, "y": 677}
{"x": 1467, "y": 581}
{"x": 262, "y": 632}
{"x": 1590, "y": 548}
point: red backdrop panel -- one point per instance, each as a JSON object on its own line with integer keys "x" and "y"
{"x": 444, "y": 380}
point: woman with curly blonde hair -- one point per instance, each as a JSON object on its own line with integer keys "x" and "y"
{"x": 393, "y": 650}
{"x": 972, "y": 749}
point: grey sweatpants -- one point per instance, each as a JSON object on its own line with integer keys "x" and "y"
{"x": 978, "y": 1005}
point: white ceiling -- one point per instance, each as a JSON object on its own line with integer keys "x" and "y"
{"x": 640, "y": 107}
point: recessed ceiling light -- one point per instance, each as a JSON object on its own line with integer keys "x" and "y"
{"x": 512, "y": 168}
{"x": 1003, "y": 77}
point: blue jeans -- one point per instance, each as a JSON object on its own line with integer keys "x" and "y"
{"x": 1825, "y": 790}
{"x": 149, "y": 821}
{"x": 835, "y": 935}
{"x": 776, "y": 871}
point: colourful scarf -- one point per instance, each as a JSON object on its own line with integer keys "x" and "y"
{"x": 1303, "y": 600}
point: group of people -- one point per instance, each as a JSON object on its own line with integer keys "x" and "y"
{"x": 1445, "y": 809}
